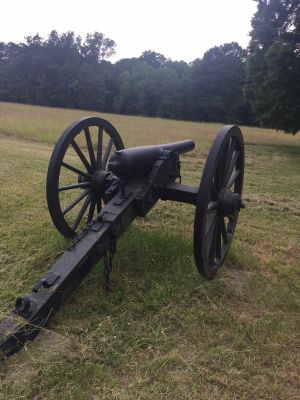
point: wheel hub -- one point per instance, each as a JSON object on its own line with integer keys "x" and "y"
{"x": 230, "y": 202}
{"x": 99, "y": 179}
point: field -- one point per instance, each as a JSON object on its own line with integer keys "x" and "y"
{"x": 163, "y": 332}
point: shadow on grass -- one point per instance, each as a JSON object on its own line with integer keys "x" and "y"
{"x": 150, "y": 271}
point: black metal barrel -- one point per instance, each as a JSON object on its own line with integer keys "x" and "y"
{"x": 136, "y": 162}
{"x": 181, "y": 147}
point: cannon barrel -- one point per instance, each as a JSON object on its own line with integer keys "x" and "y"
{"x": 181, "y": 147}
{"x": 136, "y": 162}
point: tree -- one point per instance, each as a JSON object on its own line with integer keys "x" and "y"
{"x": 157, "y": 60}
{"x": 145, "y": 88}
{"x": 88, "y": 90}
{"x": 273, "y": 65}
{"x": 64, "y": 71}
{"x": 217, "y": 85}
{"x": 8, "y": 55}
{"x": 60, "y": 71}
{"x": 97, "y": 47}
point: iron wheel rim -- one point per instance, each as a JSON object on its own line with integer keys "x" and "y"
{"x": 214, "y": 225}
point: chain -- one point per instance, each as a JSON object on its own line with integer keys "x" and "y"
{"x": 179, "y": 171}
{"x": 108, "y": 259}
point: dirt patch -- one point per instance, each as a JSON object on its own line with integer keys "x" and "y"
{"x": 236, "y": 280}
{"x": 47, "y": 348}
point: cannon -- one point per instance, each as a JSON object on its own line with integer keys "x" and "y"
{"x": 95, "y": 188}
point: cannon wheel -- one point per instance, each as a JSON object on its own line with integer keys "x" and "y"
{"x": 219, "y": 201}
{"x": 80, "y": 155}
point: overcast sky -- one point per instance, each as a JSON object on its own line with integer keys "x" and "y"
{"x": 179, "y": 29}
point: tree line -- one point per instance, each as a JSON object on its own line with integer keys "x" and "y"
{"x": 64, "y": 71}
{"x": 228, "y": 84}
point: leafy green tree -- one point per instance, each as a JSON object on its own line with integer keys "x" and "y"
{"x": 217, "y": 85}
{"x": 8, "y": 54}
{"x": 97, "y": 47}
{"x": 88, "y": 90}
{"x": 65, "y": 71}
{"x": 273, "y": 65}
{"x": 157, "y": 60}
{"x": 60, "y": 71}
{"x": 144, "y": 88}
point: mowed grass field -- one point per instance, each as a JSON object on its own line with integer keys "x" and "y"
{"x": 163, "y": 332}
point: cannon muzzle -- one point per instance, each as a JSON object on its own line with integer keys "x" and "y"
{"x": 137, "y": 162}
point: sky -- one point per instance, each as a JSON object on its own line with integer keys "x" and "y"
{"x": 178, "y": 29}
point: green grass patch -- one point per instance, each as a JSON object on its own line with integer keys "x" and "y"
{"x": 163, "y": 332}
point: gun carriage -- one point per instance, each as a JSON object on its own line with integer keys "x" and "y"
{"x": 115, "y": 186}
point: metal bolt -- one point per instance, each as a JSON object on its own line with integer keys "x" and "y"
{"x": 22, "y": 304}
{"x": 242, "y": 205}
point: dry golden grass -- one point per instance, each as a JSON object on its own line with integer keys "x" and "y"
{"x": 45, "y": 124}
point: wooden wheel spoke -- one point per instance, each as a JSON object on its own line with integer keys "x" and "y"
{"x": 212, "y": 244}
{"x": 107, "y": 152}
{"x": 210, "y": 221}
{"x": 92, "y": 209}
{"x": 74, "y": 169}
{"x": 231, "y": 147}
{"x": 219, "y": 241}
{"x": 223, "y": 164}
{"x": 227, "y": 158}
{"x": 232, "y": 163}
{"x": 99, "y": 204}
{"x": 218, "y": 178}
{"x": 81, "y": 156}
{"x": 99, "y": 147}
{"x": 81, "y": 212}
{"x": 221, "y": 168}
{"x": 224, "y": 231}
{"x": 214, "y": 191}
{"x": 233, "y": 178}
{"x": 82, "y": 185}
{"x": 90, "y": 147}
{"x": 230, "y": 151}
{"x": 75, "y": 202}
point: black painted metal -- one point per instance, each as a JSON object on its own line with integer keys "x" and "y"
{"x": 144, "y": 175}
{"x": 219, "y": 201}
{"x": 180, "y": 193}
{"x": 91, "y": 176}
{"x": 33, "y": 310}
{"x": 136, "y": 162}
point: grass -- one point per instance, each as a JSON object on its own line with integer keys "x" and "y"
{"x": 163, "y": 332}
